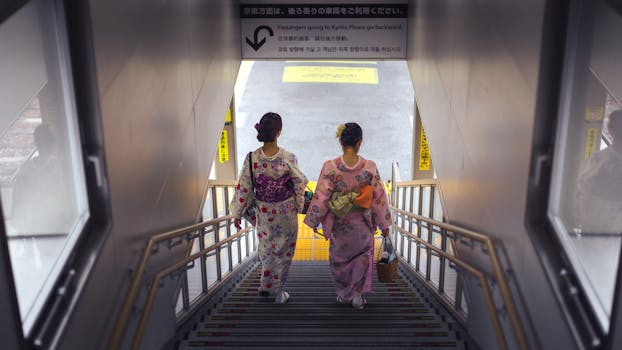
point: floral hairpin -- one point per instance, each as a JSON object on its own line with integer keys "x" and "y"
{"x": 340, "y": 129}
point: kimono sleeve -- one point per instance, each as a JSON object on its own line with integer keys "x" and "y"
{"x": 300, "y": 181}
{"x": 381, "y": 215}
{"x": 243, "y": 192}
{"x": 318, "y": 208}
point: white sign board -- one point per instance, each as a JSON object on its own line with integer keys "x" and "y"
{"x": 319, "y": 31}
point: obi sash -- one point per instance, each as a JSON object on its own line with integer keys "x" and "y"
{"x": 342, "y": 203}
{"x": 272, "y": 190}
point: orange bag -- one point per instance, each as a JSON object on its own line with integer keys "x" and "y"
{"x": 363, "y": 200}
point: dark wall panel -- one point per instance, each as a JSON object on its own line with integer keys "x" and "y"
{"x": 475, "y": 69}
{"x": 166, "y": 71}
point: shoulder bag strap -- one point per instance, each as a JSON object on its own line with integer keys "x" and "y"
{"x": 250, "y": 168}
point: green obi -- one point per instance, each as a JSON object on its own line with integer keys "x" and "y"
{"x": 341, "y": 203}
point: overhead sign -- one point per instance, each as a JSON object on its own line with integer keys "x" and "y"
{"x": 320, "y": 31}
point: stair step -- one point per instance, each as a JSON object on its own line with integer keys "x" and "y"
{"x": 275, "y": 338}
{"x": 240, "y": 345}
{"x": 243, "y": 324}
{"x": 435, "y": 328}
{"x": 396, "y": 316}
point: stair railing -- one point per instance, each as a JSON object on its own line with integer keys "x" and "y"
{"x": 172, "y": 238}
{"x": 433, "y": 238}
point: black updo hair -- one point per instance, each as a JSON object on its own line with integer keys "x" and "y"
{"x": 267, "y": 128}
{"x": 351, "y": 134}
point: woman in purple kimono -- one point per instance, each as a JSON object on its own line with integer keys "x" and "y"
{"x": 278, "y": 195}
{"x": 350, "y": 203}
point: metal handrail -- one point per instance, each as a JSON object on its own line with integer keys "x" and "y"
{"x": 475, "y": 272}
{"x": 410, "y": 183}
{"x": 137, "y": 275}
{"x": 221, "y": 183}
{"x": 168, "y": 270}
{"x": 496, "y": 265}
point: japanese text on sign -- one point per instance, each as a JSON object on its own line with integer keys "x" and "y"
{"x": 324, "y": 11}
{"x": 424, "y": 152}
{"x": 591, "y": 141}
{"x": 223, "y": 147}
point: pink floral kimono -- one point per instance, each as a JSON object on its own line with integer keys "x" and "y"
{"x": 279, "y": 197}
{"x": 352, "y": 237}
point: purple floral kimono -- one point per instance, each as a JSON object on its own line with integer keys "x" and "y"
{"x": 351, "y": 238}
{"x": 280, "y": 188}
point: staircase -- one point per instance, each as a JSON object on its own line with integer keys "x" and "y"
{"x": 395, "y": 317}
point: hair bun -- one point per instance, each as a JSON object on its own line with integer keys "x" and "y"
{"x": 267, "y": 128}
{"x": 350, "y": 134}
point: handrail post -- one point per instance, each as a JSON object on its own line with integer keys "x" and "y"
{"x": 217, "y": 255}
{"x": 419, "y": 209}
{"x": 441, "y": 275}
{"x": 248, "y": 245}
{"x": 203, "y": 263}
{"x": 458, "y": 297}
{"x": 410, "y": 222}
{"x": 185, "y": 293}
{"x": 430, "y": 228}
{"x": 229, "y": 247}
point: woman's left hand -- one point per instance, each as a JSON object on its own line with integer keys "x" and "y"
{"x": 385, "y": 232}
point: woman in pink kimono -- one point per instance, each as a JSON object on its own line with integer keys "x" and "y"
{"x": 350, "y": 202}
{"x": 278, "y": 194}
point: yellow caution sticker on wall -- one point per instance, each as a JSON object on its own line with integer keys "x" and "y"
{"x": 594, "y": 113}
{"x": 228, "y": 116}
{"x": 223, "y": 147}
{"x": 591, "y": 142}
{"x": 317, "y": 74}
{"x": 424, "y": 152}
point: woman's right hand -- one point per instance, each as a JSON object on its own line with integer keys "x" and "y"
{"x": 385, "y": 232}
{"x": 237, "y": 223}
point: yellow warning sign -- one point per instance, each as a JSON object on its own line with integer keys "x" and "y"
{"x": 223, "y": 147}
{"x": 591, "y": 142}
{"x": 228, "y": 116}
{"x": 594, "y": 113}
{"x": 317, "y": 74}
{"x": 424, "y": 152}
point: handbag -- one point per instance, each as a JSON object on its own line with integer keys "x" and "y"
{"x": 308, "y": 195}
{"x": 386, "y": 263}
{"x": 308, "y": 198}
{"x": 250, "y": 213}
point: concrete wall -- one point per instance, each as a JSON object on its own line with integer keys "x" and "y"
{"x": 165, "y": 71}
{"x": 475, "y": 66}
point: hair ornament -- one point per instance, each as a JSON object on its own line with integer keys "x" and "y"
{"x": 258, "y": 127}
{"x": 340, "y": 129}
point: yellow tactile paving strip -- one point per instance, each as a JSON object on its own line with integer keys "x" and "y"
{"x": 323, "y": 74}
{"x": 312, "y": 247}
{"x": 309, "y": 246}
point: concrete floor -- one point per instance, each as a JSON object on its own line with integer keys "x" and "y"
{"x": 311, "y": 113}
